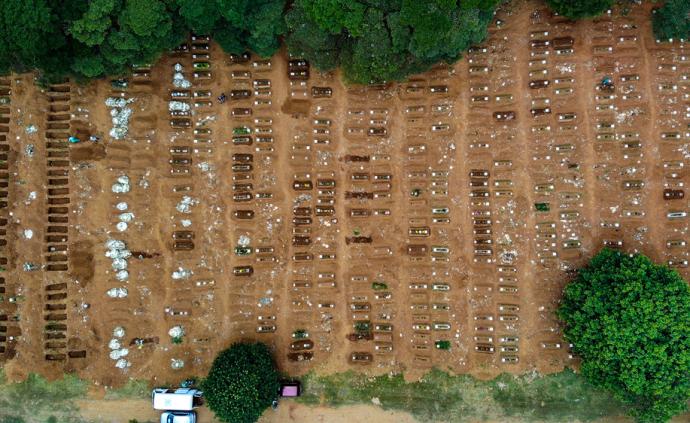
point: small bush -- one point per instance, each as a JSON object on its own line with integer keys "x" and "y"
{"x": 443, "y": 345}
{"x": 378, "y": 286}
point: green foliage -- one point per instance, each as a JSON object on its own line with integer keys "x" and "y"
{"x": 92, "y": 39}
{"x": 309, "y": 40}
{"x": 80, "y": 38}
{"x": 580, "y": 9}
{"x": 672, "y": 20}
{"x": 29, "y": 36}
{"x": 242, "y": 383}
{"x": 629, "y": 320}
{"x": 264, "y": 21}
{"x": 144, "y": 31}
{"x": 200, "y": 15}
{"x": 377, "y": 286}
{"x": 384, "y": 40}
{"x": 108, "y": 36}
{"x": 439, "y": 396}
{"x": 372, "y": 41}
{"x": 238, "y": 26}
{"x": 92, "y": 28}
{"x": 145, "y": 18}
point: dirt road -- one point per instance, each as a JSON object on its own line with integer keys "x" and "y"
{"x": 121, "y": 411}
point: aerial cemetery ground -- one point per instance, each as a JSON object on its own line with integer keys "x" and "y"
{"x": 381, "y": 228}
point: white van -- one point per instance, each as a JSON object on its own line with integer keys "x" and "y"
{"x": 178, "y": 417}
{"x": 182, "y": 399}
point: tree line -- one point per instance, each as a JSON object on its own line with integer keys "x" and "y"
{"x": 370, "y": 40}
{"x": 95, "y": 38}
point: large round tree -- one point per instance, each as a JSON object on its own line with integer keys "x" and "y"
{"x": 242, "y": 383}
{"x": 629, "y": 321}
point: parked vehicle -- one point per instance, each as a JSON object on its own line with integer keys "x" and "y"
{"x": 181, "y": 399}
{"x": 178, "y": 417}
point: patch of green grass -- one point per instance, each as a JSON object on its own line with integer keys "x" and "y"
{"x": 564, "y": 396}
{"x": 133, "y": 389}
{"x": 439, "y": 396}
{"x": 38, "y": 400}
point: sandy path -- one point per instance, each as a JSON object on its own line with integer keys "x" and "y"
{"x": 122, "y": 410}
{"x": 100, "y": 411}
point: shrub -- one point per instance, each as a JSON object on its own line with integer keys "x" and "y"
{"x": 443, "y": 345}
{"x": 377, "y": 286}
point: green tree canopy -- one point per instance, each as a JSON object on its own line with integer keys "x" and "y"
{"x": 29, "y": 35}
{"x": 672, "y": 20}
{"x": 371, "y": 40}
{"x": 580, "y": 9}
{"x": 237, "y": 25}
{"x": 378, "y": 41}
{"x": 95, "y": 38}
{"x": 199, "y": 15}
{"x": 629, "y": 321}
{"x": 242, "y": 383}
{"x": 139, "y": 31}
